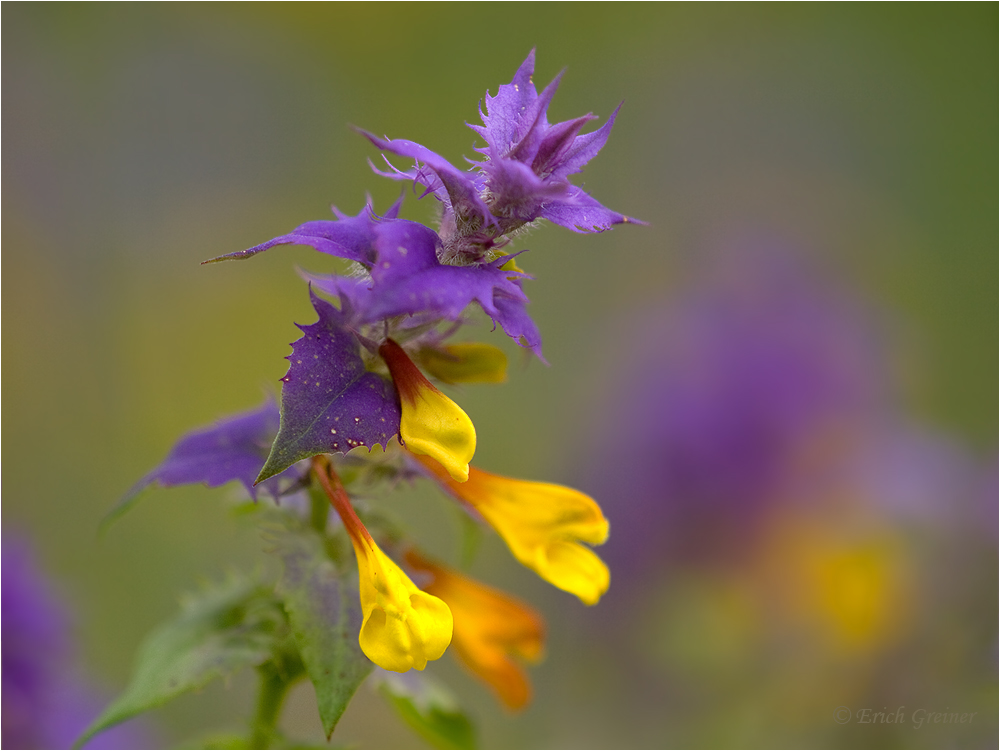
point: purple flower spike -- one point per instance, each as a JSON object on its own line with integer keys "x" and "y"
{"x": 408, "y": 279}
{"x": 461, "y": 186}
{"x": 351, "y": 237}
{"x": 418, "y": 278}
{"x": 522, "y": 179}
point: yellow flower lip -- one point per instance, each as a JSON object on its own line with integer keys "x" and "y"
{"x": 493, "y": 633}
{"x": 403, "y": 627}
{"x": 430, "y": 424}
{"x": 542, "y": 523}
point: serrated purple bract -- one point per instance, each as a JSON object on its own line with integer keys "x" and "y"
{"x": 523, "y": 177}
{"x": 329, "y": 402}
{"x": 349, "y": 237}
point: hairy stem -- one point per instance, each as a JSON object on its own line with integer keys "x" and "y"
{"x": 271, "y": 695}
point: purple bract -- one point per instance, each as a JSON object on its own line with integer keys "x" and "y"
{"x": 408, "y": 279}
{"x": 330, "y": 402}
{"x": 351, "y": 237}
{"x": 523, "y": 177}
{"x": 232, "y": 449}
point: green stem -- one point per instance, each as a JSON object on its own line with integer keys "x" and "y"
{"x": 472, "y": 535}
{"x": 273, "y": 689}
{"x": 319, "y": 509}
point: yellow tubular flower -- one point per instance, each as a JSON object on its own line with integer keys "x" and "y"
{"x": 403, "y": 627}
{"x": 431, "y": 423}
{"x": 543, "y": 525}
{"x": 492, "y": 630}
{"x": 471, "y": 362}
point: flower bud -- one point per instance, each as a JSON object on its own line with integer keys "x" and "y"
{"x": 470, "y": 362}
{"x": 431, "y": 423}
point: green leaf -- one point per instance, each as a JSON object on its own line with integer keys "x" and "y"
{"x": 429, "y": 708}
{"x": 325, "y": 614}
{"x": 217, "y": 632}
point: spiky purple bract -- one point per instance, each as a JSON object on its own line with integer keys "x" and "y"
{"x": 330, "y": 403}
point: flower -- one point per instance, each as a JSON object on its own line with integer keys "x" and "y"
{"x": 469, "y": 362}
{"x": 493, "y": 631}
{"x": 431, "y": 423}
{"x": 46, "y": 704}
{"x": 403, "y": 627}
{"x": 524, "y": 175}
{"x": 542, "y": 523}
{"x": 354, "y": 383}
{"x": 846, "y": 578}
{"x": 729, "y": 396}
{"x": 409, "y": 270}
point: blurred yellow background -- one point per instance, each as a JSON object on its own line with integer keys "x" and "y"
{"x": 860, "y": 139}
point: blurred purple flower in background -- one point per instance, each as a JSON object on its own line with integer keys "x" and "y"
{"x": 781, "y": 526}
{"x": 731, "y": 390}
{"x": 46, "y": 704}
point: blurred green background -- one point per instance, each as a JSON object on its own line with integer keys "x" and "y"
{"x": 143, "y": 139}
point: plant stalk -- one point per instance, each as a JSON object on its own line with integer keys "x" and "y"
{"x": 270, "y": 698}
